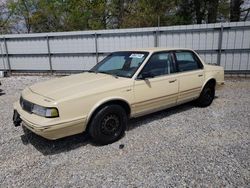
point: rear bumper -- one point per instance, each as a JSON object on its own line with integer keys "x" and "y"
{"x": 53, "y": 129}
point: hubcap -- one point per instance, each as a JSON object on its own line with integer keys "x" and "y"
{"x": 110, "y": 124}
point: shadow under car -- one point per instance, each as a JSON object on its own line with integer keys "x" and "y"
{"x": 51, "y": 147}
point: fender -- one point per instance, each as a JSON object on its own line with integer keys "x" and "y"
{"x": 207, "y": 80}
{"x": 103, "y": 101}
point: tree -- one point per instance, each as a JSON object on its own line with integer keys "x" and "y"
{"x": 200, "y": 7}
{"x": 98, "y": 14}
{"x": 212, "y": 11}
{"x": 201, "y": 11}
{"x": 51, "y": 16}
{"x": 235, "y": 10}
{"x": 25, "y": 16}
{"x": 22, "y": 12}
{"x": 4, "y": 18}
{"x": 76, "y": 15}
{"x": 117, "y": 10}
{"x": 145, "y": 13}
{"x": 184, "y": 14}
{"x": 223, "y": 10}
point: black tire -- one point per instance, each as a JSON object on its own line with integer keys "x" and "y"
{"x": 108, "y": 124}
{"x": 207, "y": 96}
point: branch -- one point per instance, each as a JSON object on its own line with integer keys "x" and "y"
{"x": 245, "y": 10}
{"x": 245, "y": 18}
{"x": 9, "y": 16}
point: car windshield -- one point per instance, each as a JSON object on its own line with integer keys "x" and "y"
{"x": 122, "y": 64}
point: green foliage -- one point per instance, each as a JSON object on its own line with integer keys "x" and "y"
{"x": 97, "y": 14}
{"x": 69, "y": 15}
{"x": 223, "y": 10}
{"x": 202, "y": 11}
{"x": 4, "y": 19}
{"x": 185, "y": 12}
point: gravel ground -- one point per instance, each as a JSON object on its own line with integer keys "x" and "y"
{"x": 179, "y": 147}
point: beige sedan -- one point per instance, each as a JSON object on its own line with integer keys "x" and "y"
{"x": 126, "y": 84}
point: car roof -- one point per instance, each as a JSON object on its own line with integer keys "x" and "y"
{"x": 156, "y": 49}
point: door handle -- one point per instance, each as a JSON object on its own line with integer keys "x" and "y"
{"x": 172, "y": 81}
{"x": 200, "y": 75}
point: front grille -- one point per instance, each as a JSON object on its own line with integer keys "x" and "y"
{"x": 26, "y": 105}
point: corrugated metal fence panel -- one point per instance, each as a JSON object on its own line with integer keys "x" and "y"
{"x": 72, "y": 63}
{"x": 27, "y": 46}
{"x": 72, "y": 44}
{"x": 109, "y": 43}
{"x": 236, "y": 39}
{"x": 210, "y": 58}
{"x": 224, "y": 43}
{"x": 195, "y": 37}
{"x": 29, "y": 63}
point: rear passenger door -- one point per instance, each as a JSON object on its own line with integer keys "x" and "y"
{"x": 190, "y": 74}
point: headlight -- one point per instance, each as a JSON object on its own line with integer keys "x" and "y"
{"x": 45, "y": 112}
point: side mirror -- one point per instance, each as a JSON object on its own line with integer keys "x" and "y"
{"x": 145, "y": 75}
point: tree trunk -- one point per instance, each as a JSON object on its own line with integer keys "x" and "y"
{"x": 120, "y": 14}
{"x": 235, "y": 10}
{"x": 212, "y": 11}
{"x": 26, "y": 16}
{"x": 199, "y": 11}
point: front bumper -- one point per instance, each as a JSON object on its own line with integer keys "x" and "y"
{"x": 50, "y": 128}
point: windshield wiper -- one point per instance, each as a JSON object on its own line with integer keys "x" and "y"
{"x": 92, "y": 71}
{"x": 114, "y": 75}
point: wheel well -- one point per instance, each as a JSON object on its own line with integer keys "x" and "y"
{"x": 211, "y": 82}
{"x": 122, "y": 103}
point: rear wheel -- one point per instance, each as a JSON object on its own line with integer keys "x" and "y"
{"x": 206, "y": 96}
{"x": 108, "y": 124}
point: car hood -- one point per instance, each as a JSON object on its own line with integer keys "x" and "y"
{"x": 77, "y": 85}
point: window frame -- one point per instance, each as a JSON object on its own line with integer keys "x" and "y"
{"x": 195, "y": 56}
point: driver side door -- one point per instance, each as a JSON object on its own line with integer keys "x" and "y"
{"x": 156, "y": 87}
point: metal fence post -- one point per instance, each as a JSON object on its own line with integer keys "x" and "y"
{"x": 220, "y": 45}
{"x": 156, "y": 38}
{"x": 48, "y": 46}
{"x": 7, "y": 56}
{"x": 3, "y": 56}
{"x": 96, "y": 48}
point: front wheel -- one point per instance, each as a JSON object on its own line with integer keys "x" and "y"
{"x": 207, "y": 96}
{"x": 108, "y": 124}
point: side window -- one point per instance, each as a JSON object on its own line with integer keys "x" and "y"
{"x": 158, "y": 64}
{"x": 187, "y": 61}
